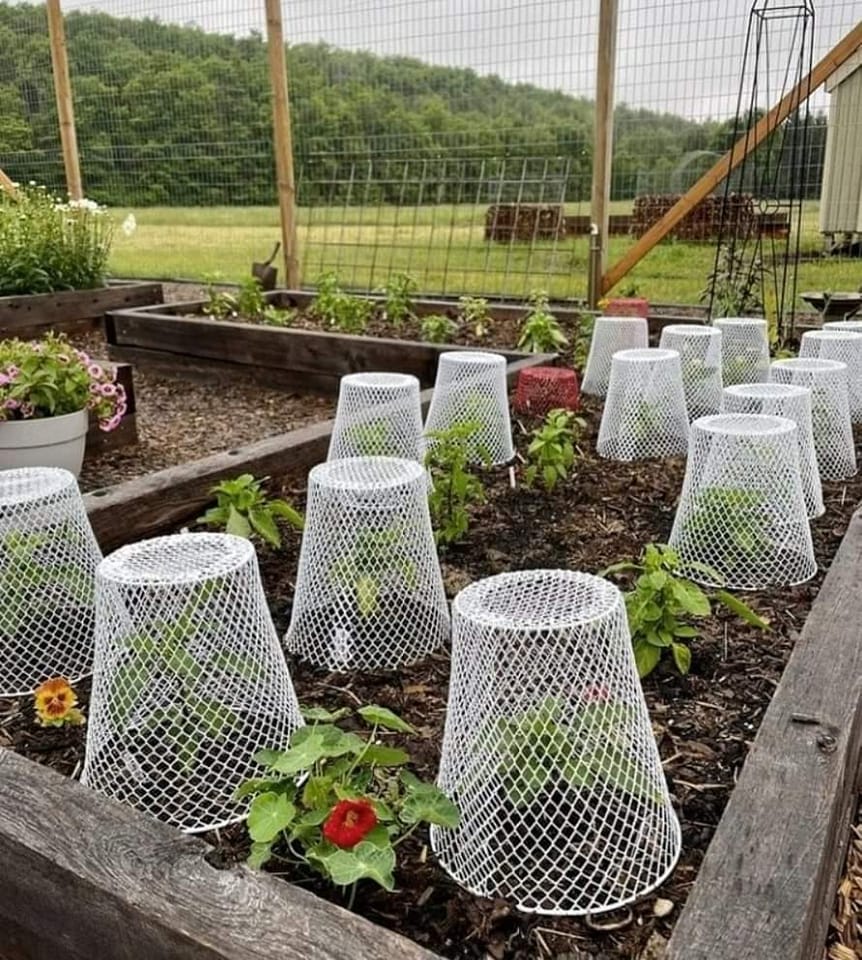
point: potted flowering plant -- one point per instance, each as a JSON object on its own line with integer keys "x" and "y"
{"x": 47, "y": 391}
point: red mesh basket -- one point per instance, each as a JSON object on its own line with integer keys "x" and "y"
{"x": 627, "y": 307}
{"x": 541, "y": 389}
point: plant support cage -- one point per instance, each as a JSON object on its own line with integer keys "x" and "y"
{"x": 744, "y": 350}
{"x": 699, "y": 349}
{"x": 610, "y": 334}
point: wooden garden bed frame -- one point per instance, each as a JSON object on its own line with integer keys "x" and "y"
{"x": 71, "y": 310}
{"x": 85, "y": 877}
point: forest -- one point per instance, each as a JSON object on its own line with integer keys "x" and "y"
{"x": 171, "y": 115}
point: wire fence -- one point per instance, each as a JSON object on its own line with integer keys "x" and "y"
{"x": 419, "y": 125}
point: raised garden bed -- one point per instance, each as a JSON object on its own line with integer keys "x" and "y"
{"x": 71, "y": 310}
{"x": 704, "y": 724}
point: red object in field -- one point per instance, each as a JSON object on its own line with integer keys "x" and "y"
{"x": 541, "y": 389}
{"x": 628, "y": 307}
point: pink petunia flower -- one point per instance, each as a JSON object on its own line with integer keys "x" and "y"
{"x": 11, "y": 404}
{"x": 95, "y": 370}
{"x": 107, "y": 389}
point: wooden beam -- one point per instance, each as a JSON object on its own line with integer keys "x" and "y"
{"x": 7, "y": 184}
{"x": 603, "y": 137}
{"x": 749, "y": 141}
{"x": 767, "y": 885}
{"x": 283, "y": 139}
{"x": 101, "y": 880}
{"x": 63, "y": 92}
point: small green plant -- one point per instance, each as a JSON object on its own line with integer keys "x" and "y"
{"x": 584, "y": 747}
{"x": 277, "y": 317}
{"x": 662, "y": 603}
{"x": 242, "y": 508}
{"x": 438, "y": 328}
{"x": 551, "y": 452}
{"x": 371, "y": 439}
{"x": 735, "y": 285}
{"x": 732, "y": 525}
{"x": 540, "y": 331}
{"x": 341, "y": 311}
{"x": 339, "y": 802}
{"x": 219, "y": 304}
{"x": 377, "y": 558}
{"x": 250, "y": 300}
{"x": 474, "y": 312}
{"x": 645, "y": 419}
{"x": 454, "y": 485}
{"x": 583, "y": 338}
{"x": 397, "y": 293}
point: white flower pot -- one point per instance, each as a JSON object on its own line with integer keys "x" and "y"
{"x": 50, "y": 442}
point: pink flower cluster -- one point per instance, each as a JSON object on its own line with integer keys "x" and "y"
{"x": 107, "y": 397}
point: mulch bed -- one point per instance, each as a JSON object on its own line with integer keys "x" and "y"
{"x": 845, "y": 930}
{"x": 704, "y": 723}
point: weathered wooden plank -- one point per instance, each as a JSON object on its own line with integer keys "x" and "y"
{"x": 27, "y": 316}
{"x": 767, "y": 883}
{"x": 164, "y": 500}
{"x": 87, "y": 877}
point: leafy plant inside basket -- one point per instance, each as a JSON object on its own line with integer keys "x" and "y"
{"x": 370, "y": 439}
{"x": 340, "y": 802}
{"x": 731, "y": 526}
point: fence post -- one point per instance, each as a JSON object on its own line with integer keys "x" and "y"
{"x": 63, "y": 92}
{"x": 7, "y": 184}
{"x": 283, "y": 138}
{"x": 603, "y": 142}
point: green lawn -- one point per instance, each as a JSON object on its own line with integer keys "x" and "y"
{"x": 442, "y": 246}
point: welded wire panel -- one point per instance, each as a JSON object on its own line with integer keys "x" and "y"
{"x": 48, "y": 559}
{"x": 548, "y": 750}
{"x": 610, "y": 334}
{"x": 794, "y": 403}
{"x": 369, "y": 593}
{"x": 471, "y": 388}
{"x": 830, "y": 411}
{"x": 189, "y": 681}
{"x": 378, "y": 415}
{"x": 699, "y": 349}
{"x": 845, "y": 346}
{"x": 744, "y": 349}
{"x": 741, "y": 520}
{"x": 645, "y": 412}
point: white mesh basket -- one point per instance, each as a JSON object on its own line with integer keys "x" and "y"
{"x": 369, "y": 593}
{"x": 794, "y": 403}
{"x": 830, "y": 411}
{"x": 741, "y": 520}
{"x": 189, "y": 680}
{"x": 845, "y": 346}
{"x": 548, "y": 750}
{"x": 699, "y": 349}
{"x": 744, "y": 349}
{"x": 610, "y": 335}
{"x": 645, "y": 414}
{"x": 378, "y": 415}
{"x": 48, "y": 559}
{"x": 471, "y": 388}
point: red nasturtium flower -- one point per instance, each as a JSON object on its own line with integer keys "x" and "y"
{"x": 349, "y": 822}
{"x": 55, "y": 703}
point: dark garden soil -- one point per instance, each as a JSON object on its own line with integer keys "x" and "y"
{"x": 704, "y": 723}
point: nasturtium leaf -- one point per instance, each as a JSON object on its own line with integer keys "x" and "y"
{"x": 428, "y": 804}
{"x": 383, "y": 756}
{"x": 269, "y": 814}
{"x": 382, "y": 717}
{"x": 260, "y": 853}
{"x": 364, "y": 861}
{"x": 322, "y": 715}
{"x": 317, "y": 792}
{"x": 255, "y": 785}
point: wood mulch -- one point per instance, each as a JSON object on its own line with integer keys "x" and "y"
{"x": 845, "y": 930}
{"x": 704, "y": 723}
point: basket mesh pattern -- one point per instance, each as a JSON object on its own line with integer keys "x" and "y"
{"x": 845, "y": 346}
{"x": 699, "y": 349}
{"x": 794, "y": 403}
{"x": 542, "y": 389}
{"x": 830, "y": 411}
{"x": 369, "y": 593}
{"x": 378, "y": 415}
{"x": 548, "y": 750}
{"x": 744, "y": 350}
{"x": 189, "y": 680}
{"x": 610, "y": 334}
{"x": 741, "y": 520}
{"x": 645, "y": 414}
{"x": 48, "y": 560}
{"x": 471, "y": 388}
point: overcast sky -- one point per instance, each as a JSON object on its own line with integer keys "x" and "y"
{"x": 683, "y": 56}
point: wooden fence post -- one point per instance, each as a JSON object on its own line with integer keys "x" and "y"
{"x": 7, "y": 184}
{"x": 63, "y": 92}
{"x": 283, "y": 138}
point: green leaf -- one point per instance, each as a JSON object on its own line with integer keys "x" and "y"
{"x": 307, "y": 746}
{"x": 428, "y": 804}
{"x": 647, "y": 657}
{"x": 246, "y": 667}
{"x": 215, "y": 716}
{"x": 579, "y": 773}
{"x": 364, "y": 861}
{"x": 367, "y": 594}
{"x": 623, "y": 771}
{"x": 128, "y": 686}
{"x": 259, "y": 785}
{"x": 263, "y": 524}
{"x": 237, "y": 524}
{"x": 691, "y": 598}
{"x": 269, "y": 814}
{"x": 260, "y": 853}
{"x": 317, "y": 792}
{"x": 382, "y": 717}
{"x": 735, "y": 605}
{"x": 322, "y": 715}
{"x": 681, "y": 657}
{"x": 382, "y": 756}
{"x": 284, "y": 510}
{"x": 526, "y": 781}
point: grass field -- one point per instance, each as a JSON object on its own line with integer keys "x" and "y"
{"x": 442, "y": 246}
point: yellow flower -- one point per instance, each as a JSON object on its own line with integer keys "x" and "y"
{"x": 55, "y": 704}
{"x": 603, "y": 303}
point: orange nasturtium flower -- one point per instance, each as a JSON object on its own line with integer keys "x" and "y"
{"x": 56, "y": 704}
